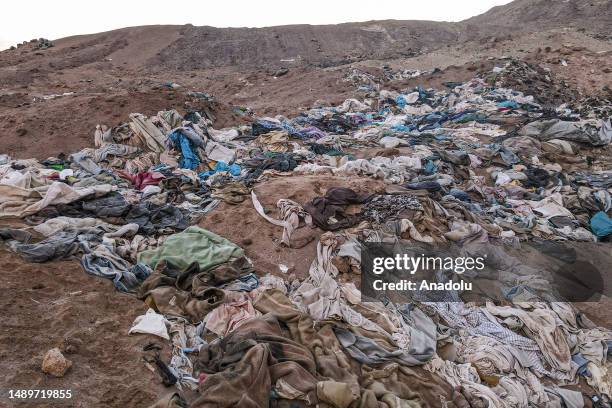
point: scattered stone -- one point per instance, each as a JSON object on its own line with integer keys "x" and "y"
{"x": 55, "y": 364}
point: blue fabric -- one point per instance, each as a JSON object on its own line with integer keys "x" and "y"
{"x": 400, "y": 101}
{"x": 507, "y": 155}
{"x": 469, "y": 117}
{"x": 245, "y": 283}
{"x": 508, "y": 104}
{"x": 430, "y": 167}
{"x": 161, "y": 167}
{"x": 403, "y": 128}
{"x": 460, "y": 195}
{"x": 601, "y": 224}
{"x": 461, "y": 114}
{"x": 232, "y": 169}
{"x": 515, "y": 291}
{"x": 434, "y": 117}
{"x": 581, "y": 362}
{"x": 188, "y": 159}
{"x": 422, "y": 93}
{"x": 309, "y": 132}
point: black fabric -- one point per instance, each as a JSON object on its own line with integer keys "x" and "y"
{"x": 111, "y": 205}
{"x": 15, "y": 234}
{"x": 193, "y": 276}
{"x": 152, "y": 218}
{"x": 58, "y": 246}
{"x": 272, "y": 161}
{"x": 337, "y": 123}
{"x": 561, "y": 221}
{"x": 536, "y": 177}
{"x": 333, "y": 205}
{"x": 263, "y": 126}
{"x": 318, "y": 148}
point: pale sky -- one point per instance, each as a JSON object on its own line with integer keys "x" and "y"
{"x": 22, "y": 20}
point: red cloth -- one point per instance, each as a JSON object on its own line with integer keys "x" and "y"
{"x": 141, "y": 180}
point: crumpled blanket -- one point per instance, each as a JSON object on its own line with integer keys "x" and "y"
{"x": 583, "y": 131}
{"x": 195, "y": 244}
{"x": 328, "y": 212}
{"x": 194, "y": 292}
{"x": 247, "y": 364}
{"x": 21, "y": 202}
{"x": 236, "y": 310}
{"x": 105, "y": 263}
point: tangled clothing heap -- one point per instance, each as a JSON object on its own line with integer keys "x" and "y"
{"x": 258, "y": 359}
{"x": 453, "y": 173}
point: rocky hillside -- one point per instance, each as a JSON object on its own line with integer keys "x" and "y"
{"x": 190, "y": 48}
{"x": 594, "y": 16}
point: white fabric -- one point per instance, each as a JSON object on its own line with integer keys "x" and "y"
{"x": 150, "y": 323}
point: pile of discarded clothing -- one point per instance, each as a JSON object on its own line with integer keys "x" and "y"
{"x": 472, "y": 164}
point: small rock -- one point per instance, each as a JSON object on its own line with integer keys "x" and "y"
{"x": 281, "y": 72}
{"x": 55, "y": 363}
{"x": 246, "y": 241}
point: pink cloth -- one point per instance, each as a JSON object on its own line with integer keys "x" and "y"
{"x": 237, "y": 309}
{"x": 141, "y": 180}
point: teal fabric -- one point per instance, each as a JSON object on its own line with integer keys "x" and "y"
{"x": 601, "y": 224}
